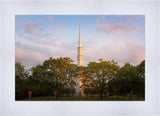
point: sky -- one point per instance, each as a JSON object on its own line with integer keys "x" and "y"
{"x": 110, "y": 37}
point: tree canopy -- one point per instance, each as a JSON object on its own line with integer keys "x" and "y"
{"x": 97, "y": 78}
{"x": 60, "y": 72}
{"x": 97, "y": 74}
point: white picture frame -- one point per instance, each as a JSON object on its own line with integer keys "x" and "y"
{"x": 8, "y": 105}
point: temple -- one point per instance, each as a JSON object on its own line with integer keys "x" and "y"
{"x": 79, "y": 63}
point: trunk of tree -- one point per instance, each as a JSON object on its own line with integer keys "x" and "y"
{"x": 105, "y": 96}
{"x": 101, "y": 96}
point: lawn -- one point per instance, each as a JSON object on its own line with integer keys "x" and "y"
{"x": 109, "y": 98}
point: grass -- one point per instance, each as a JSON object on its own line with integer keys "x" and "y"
{"x": 109, "y": 98}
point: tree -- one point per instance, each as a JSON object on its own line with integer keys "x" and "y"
{"x": 60, "y": 72}
{"x": 96, "y": 76}
{"x": 21, "y": 76}
{"x": 141, "y": 69}
{"x": 128, "y": 79}
{"x": 20, "y": 72}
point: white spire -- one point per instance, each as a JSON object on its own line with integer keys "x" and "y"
{"x": 80, "y": 56}
{"x": 80, "y": 45}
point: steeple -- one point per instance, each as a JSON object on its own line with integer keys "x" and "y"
{"x": 80, "y": 56}
{"x": 80, "y": 45}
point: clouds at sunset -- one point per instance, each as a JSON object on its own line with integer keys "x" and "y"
{"x": 28, "y": 57}
{"x": 109, "y": 37}
{"x": 96, "y": 40}
{"x": 52, "y": 20}
{"x": 121, "y": 51}
{"x": 54, "y": 41}
{"x": 119, "y": 28}
{"x": 32, "y": 28}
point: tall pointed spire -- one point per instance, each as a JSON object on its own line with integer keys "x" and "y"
{"x": 80, "y": 56}
{"x": 80, "y": 45}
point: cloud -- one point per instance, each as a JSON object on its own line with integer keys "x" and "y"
{"x": 32, "y": 28}
{"x": 52, "y": 20}
{"x": 19, "y": 34}
{"x": 48, "y": 33}
{"x": 48, "y": 42}
{"x": 118, "y": 28}
{"x": 31, "y": 55}
{"x": 119, "y": 42}
{"x": 131, "y": 52}
{"x": 57, "y": 30}
{"x": 96, "y": 40}
{"x": 54, "y": 41}
{"x": 121, "y": 51}
{"x": 28, "y": 57}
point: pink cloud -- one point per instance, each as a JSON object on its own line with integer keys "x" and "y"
{"x": 132, "y": 52}
{"x": 28, "y": 56}
{"x": 121, "y": 51}
{"x": 49, "y": 42}
{"x": 119, "y": 42}
{"x": 49, "y": 32}
{"x": 57, "y": 30}
{"x": 32, "y": 27}
{"x": 36, "y": 54}
{"x": 96, "y": 40}
{"x": 18, "y": 34}
{"x": 51, "y": 19}
{"x": 42, "y": 41}
{"x": 119, "y": 28}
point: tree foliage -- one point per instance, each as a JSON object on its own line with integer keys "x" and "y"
{"x": 60, "y": 72}
{"x": 20, "y": 80}
{"x": 128, "y": 78}
{"x": 96, "y": 76}
{"x": 53, "y": 75}
{"x": 141, "y": 69}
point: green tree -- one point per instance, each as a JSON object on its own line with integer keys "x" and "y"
{"x": 20, "y": 72}
{"x": 141, "y": 69}
{"x": 128, "y": 79}
{"x": 59, "y": 72}
{"x": 97, "y": 74}
{"x": 21, "y": 76}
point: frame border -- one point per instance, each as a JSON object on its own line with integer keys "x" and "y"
{"x": 151, "y": 105}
